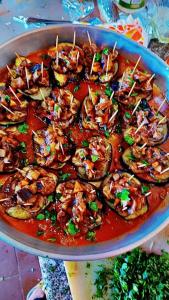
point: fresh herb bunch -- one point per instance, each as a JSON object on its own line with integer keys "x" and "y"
{"x": 134, "y": 275}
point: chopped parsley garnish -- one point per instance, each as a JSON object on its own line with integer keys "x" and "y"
{"x": 48, "y": 148}
{"x": 76, "y": 88}
{"x": 144, "y": 189}
{"x": 50, "y": 198}
{"x": 128, "y": 139}
{"x": 22, "y": 147}
{"x": 87, "y": 119}
{"x": 106, "y": 51}
{"x": 40, "y": 217}
{"x": 85, "y": 143}
{"x": 106, "y": 133}
{"x": 64, "y": 176}
{"x": 56, "y": 107}
{"x": 134, "y": 94}
{"x": 58, "y": 196}
{"x": 7, "y": 98}
{"x": 91, "y": 235}
{"x": 127, "y": 115}
{"x": 123, "y": 195}
{"x": 94, "y": 157}
{"x": 114, "y": 101}
{"x": 39, "y": 232}
{"x": 145, "y": 162}
{"x": 93, "y": 206}
{"x": 131, "y": 81}
{"x": 97, "y": 93}
{"x": 131, "y": 157}
{"x": 71, "y": 228}
{"x": 98, "y": 56}
{"x": 108, "y": 91}
{"x": 51, "y": 240}
{"x": 23, "y": 128}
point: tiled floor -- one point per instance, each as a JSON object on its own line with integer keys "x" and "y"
{"x": 19, "y": 272}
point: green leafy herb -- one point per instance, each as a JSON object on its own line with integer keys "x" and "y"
{"x": 134, "y": 275}
{"x": 106, "y": 133}
{"x": 85, "y": 143}
{"x": 1, "y": 185}
{"x": 97, "y": 93}
{"x": 22, "y": 147}
{"x": 134, "y": 94}
{"x": 118, "y": 128}
{"x": 128, "y": 139}
{"x": 58, "y": 196}
{"x": 145, "y": 162}
{"x": 51, "y": 240}
{"x": 123, "y": 195}
{"x": 108, "y": 91}
{"x": 65, "y": 145}
{"x": 97, "y": 56}
{"x": 48, "y": 148}
{"x": 93, "y": 206}
{"x": 106, "y": 51}
{"x": 40, "y": 217}
{"x": 91, "y": 236}
{"x": 144, "y": 189}
{"x": 71, "y": 228}
{"x": 131, "y": 82}
{"x": 23, "y": 128}
{"x": 51, "y": 198}
{"x": 127, "y": 115}
{"x": 7, "y": 98}
{"x": 76, "y": 88}
{"x": 94, "y": 157}
{"x": 64, "y": 176}
{"x": 131, "y": 157}
{"x": 39, "y": 232}
{"x": 56, "y": 107}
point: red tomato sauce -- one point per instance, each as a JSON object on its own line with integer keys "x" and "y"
{"x": 113, "y": 225}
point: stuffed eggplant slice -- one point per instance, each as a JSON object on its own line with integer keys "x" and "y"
{"x": 27, "y": 192}
{"x": 124, "y": 195}
{"x": 52, "y": 148}
{"x": 153, "y": 129}
{"x": 98, "y": 111}
{"x": 93, "y": 161}
{"x": 78, "y": 208}
{"x": 12, "y": 111}
{"x": 67, "y": 62}
{"x": 143, "y": 86}
{"x": 105, "y": 65}
{"x": 148, "y": 163}
{"x": 61, "y": 108}
{"x": 11, "y": 152}
{"x": 31, "y": 79}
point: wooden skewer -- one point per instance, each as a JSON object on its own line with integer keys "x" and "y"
{"x": 149, "y": 193}
{"x": 89, "y": 90}
{"x": 5, "y": 199}
{"x": 107, "y": 66}
{"x": 111, "y": 97}
{"x": 130, "y": 177}
{"x": 12, "y": 91}
{"x": 165, "y": 170}
{"x": 136, "y": 65}
{"x": 115, "y": 44}
{"x": 57, "y": 54}
{"x": 112, "y": 117}
{"x": 34, "y": 133}
{"x": 136, "y": 107}
{"x": 77, "y": 58}
{"x": 74, "y": 39}
{"x": 27, "y": 78}
{"x": 92, "y": 63}
{"x": 151, "y": 78}
{"x": 143, "y": 146}
{"x": 141, "y": 125}
{"x": 71, "y": 100}
{"x": 161, "y": 121}
{"x": 57, "y": 39}
{"x": 9, "y": 70}
{"x": 122, "y": 79}
{"x": 89, "y": 38}
{"x": 42, "y": 94}
{"x": 18, "y": 56}
{"x": 61, "y": 147}
{"x": 132, "y": 88}
{"x": 142, "y": 165}
{"x": 39, "y": 154}
{"x": 21, "y": 171}
{"x": 42, "y": 69}
{"x": 10, "y": 111}
{"x": 161, "y": 105}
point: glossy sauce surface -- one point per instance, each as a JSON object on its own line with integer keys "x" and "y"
{"x": 113, "y": 225}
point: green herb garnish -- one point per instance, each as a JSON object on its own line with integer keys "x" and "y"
{"x": 51, "y": 240}
{"x": 58, "y": 196}
{"x": 56, "y": 107}
{"x": 40, "y": 217}
{"x": 108, "y": 91}
{"x": 85, "y": 143}
{"x": 134, "y": 94}
{"x": 64, "y": 176}
{"x": 106, "y": 51}
{"x": 123, "y": 195}
{"x": 107, "y": 133}
{"x": 94, "y": 157}
{"x": 131, "y": 82}
{"x": 22, "y": 147}
{"x": 91, "y": 235}
{"x": 71, "y": 228}
{"x": 128, "y": 139}
{"x": 145, "y": 162}
{"x": 50, "y": 198}
{"x": 93, "y": 206}
{"x": 23, "y": 128}
{"x": 97, "y": 56}
{"x": 127, "y": 115}
{"x": 48, "y": 148}
{"x": 144, "y": 189}
{"x": 7, "y": 98}
{"x": 39, "y": 232}
{"x": 76, "y": 88}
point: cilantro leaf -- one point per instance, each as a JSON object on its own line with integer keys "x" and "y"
{"x": 71, "y": 228}
{"x": 128, "y": 139}
{"x": 76, "y": 88}
{"x": 64, "y": 176}
{"x": 50, "y": 198}
{"x": 108, "y": 91}
{"x": 93, "y": 206}
{"x": 106, "y": 51}
{"x": 91, "y": 235}
{"x": 40, "y": 217}
{"x": 144, "y": 189}
{"x": 94, "y": 157}
{"x": 85, "y": 143}
{"x": 123, "y": 195}
{"x": 23, "y": 128}
{"x": 127, "y": 115}
{"x": 98, "y": 56}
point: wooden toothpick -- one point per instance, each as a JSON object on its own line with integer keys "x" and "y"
{"x": 9, "y": 70}
{"x": 111, "y": 97}
{"x": 165, "y": 170}
{"x": 135, "y": 67}
{"x": 34, "y": 133}
{"x": 107, "y": 65}
{"x": 161, "y": 121}
{"x": 150, "y": 78}
{"x": 27, "y": 78}
{"x": 61, "y": 147}
{"x": 74, "y": 39}
{"x": 143, "y": 146}
{"x": 12, "y": 91}
{"x": 115, "y": 44}
{"x": 136, "y": 107}
{"x": 130, "y": 177}
{"x": 10, "y": 111}
{"x": 42, "y": 69}
{"x": 77, "y": 58}
{"x": 132, "y": 88}
{"x": 141, "y": 125}
{"x": 92, "y": 63}
{"x": 89, "y": 38}
{"x": 112, "y": 117}
{"x": 148, "y": 194}
{"x": 161, "y": 105}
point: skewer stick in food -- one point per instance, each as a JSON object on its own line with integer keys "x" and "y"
{"x": 71, "y": 100}
{"x": 165, "y": 170}
{"x": 167, "y": 154}
{"x": 34, "y": 132}
{"x": 130, "y": 177}
{"x": 162, "y": 103}
{"x": 148, "y": 194}
{"x": 43, "y": 97}
{"x": 92, "y": 63}
{"x": 111, "y": 97}
{"x": 10, "y": 111}
{"x": 42, "y": 69}
{"x": 18, "y": 56}
{"x": 143, "y": 146}
{"x": 89, "y": 38}
{"x": 89, "y": 90}
{"x": 12, "y": 91}
{"x": 132, "y": 88}
{"x": 135, "y": 67}
{"x": 61, "y": 147}
{"x": 4, "y": 199}
{"x": 74, "y": 39}
{"x": 162, "y": 120}
{"x": 150, "y": 78}
{"x": 57, "y": 54}
{"x": 77, "y": 58}
{"x": 138, "y": 103}
{"x": 27, "y": 78}
{"x": 141, "y": 125}
{"x": 115, "y": 44}
{"x": 9, "y": 70}
{"x": 21, "y": 171}
{"x": 112, "y": 117}
{"x": 142, "y": 165}
{"x": 107, "y": 65}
